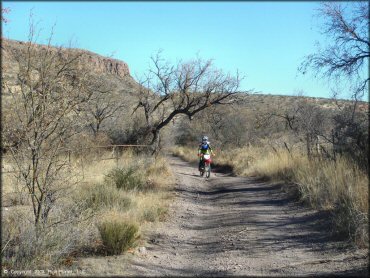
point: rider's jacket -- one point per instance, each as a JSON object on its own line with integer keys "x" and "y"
{"x": 203, "y": 151}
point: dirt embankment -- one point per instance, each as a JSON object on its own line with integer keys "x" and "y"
{"x": 227, "y": 226}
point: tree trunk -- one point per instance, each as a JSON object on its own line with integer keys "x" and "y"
{"x": 155, "y": 146}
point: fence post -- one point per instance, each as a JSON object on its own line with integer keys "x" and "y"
{"x": 115, "y": 151}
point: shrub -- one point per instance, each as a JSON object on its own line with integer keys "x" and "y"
{"x": 118, "y": 235}
{"x": 341, "y": 187}
{"x": 126, "y": 179}
{"x": 349, "y": 222}
{"x": 22, "y": 249}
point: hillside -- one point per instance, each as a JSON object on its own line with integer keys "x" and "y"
{"x": 112, "y": 70}
{"x": 117, "y": 73}
{"x": 248, "y": 111}
{"x": 267, "y": 101}
{"x": 112, "y": 74}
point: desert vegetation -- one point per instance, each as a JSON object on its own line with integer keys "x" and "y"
{"x": 70, "y": 185}
{"x": 68, "y": 190}
{"x": 320, "y": 146}
{"x": 83, "y": 168}
{"x": 339, "y": 187}
{"x": 107, "y": 210}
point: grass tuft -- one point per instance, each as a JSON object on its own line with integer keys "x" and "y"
{"x": 118, "y": 235}
{"x": 130, "y": 178}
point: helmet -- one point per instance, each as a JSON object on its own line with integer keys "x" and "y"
{"x": 204, "y": 138}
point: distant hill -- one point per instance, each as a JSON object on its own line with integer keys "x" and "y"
{"x": 116, "y": 73}
{"x": 258, "y": 101}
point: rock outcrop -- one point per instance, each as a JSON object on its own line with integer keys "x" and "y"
{"x": 100, "y": 64}
{"x": 96, "y": 63}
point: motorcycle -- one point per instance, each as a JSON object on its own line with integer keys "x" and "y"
{"x": 205, "y": 167}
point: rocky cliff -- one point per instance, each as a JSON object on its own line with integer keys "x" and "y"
{"x": 101, "y": 64}
{"x": 96, "y": 63}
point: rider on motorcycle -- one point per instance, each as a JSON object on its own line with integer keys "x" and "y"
{"x": 204, "y": 148}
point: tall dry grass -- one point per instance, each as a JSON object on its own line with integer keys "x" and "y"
{"x": 87, "y": 213}
{"x": 341, "y": 187}
{"x": 336, "y": 186}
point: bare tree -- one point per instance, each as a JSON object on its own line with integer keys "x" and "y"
{"x": 227, "y": 126}
{"x": 101, "y": 107}
{"x": 44, "y": 102}
{"x": 348, "y": 55}
{"x": 186, "y": 88}
{"x": 4, "y": 11}
{"x": 347, "y": 58}
{"x": 304, "y": 119}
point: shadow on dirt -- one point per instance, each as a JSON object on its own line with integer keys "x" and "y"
{"x": 230, "y": 220}
{"x": 182, "y": 271}
{"x": 362, "y": 272}
{"x": 186, "y": 174}
{"x": 223, "y": 169}
{"x": 244, "y": 204}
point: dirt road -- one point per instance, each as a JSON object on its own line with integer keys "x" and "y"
{"x": 227, "y": 226}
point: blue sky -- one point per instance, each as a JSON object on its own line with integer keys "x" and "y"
{"x": 265, "y": 41}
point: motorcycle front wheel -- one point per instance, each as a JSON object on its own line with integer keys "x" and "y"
{"x": 208, "y": 171}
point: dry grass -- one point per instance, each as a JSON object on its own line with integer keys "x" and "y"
{"x": 103, "y": 196}
{"x": 12, "y": 193}
{"x": 185, "y": 153}
{"x": 22, "y": 249}
{"x": 338, "y": 186}
{"x": 275, "y": 165}
{"x": 117, "y": 234}
{"x": 136, "y": 191}
{"x": 341, "y": 188}
{"x": 91, "y": 203}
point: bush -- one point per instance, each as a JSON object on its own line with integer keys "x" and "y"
{"x": 22, "y": 249}
{"x": 350, "y": 223}
{"x": 118, "y": 235}
{"x": 352, "y": 136}
{"x": 126, "y": 179}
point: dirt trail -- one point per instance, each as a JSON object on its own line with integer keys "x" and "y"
{"x": 227, "y": 226}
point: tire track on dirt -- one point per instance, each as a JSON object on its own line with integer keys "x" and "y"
{"x": 240, "y": 226}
